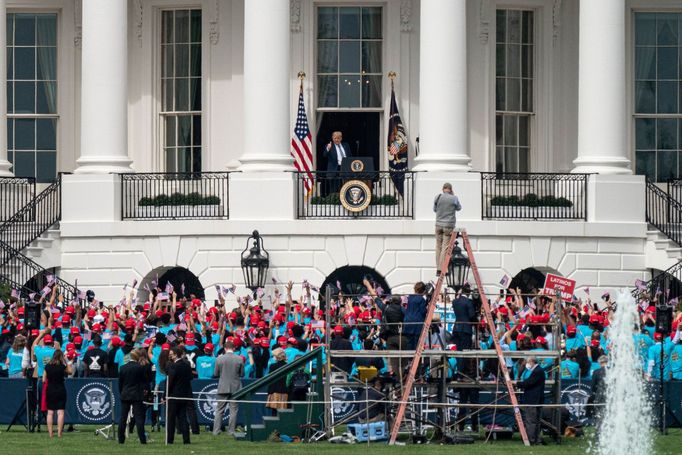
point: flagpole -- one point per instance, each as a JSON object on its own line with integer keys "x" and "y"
{"x": 392, "y": 75}
{"x": 301, "y": 76}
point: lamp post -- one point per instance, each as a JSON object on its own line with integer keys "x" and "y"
{"x": 255, "y": 262}
{"x": 458, "y": 268}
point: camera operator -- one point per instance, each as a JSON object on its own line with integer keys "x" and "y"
{"x": 392, "y": 317}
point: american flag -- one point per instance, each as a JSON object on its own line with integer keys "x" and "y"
{"x": 301, "y": 145}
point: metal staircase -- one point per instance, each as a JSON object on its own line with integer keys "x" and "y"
{"x": 20, "y": 230}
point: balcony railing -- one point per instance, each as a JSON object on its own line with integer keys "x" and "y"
{"x": 15, "y": 193}
{"x": 175, "y": 196}
{"x": 377, "y": 197}
{"x": 534, "y": 196}
{"x": 664, "y": 210}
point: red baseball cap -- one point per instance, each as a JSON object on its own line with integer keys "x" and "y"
{"x": 78, "y": 340}
{"x": 159, "y": 313}
{"x": 116, "y": 341}
{"x": 91, "y": 313}
{"x": 292, "y": 340}
{"x": 20, "y": 311}
{"x": 503, "y": 310}
{"x": 165, "y": 347}
{"x": 594, "y": 343}
{"x": 74, "y": 330}
{"x": 70, "y": 347}
{"x": 130, "y": 324}
{"x": 189, "y": 339}
{"x": 208, "y": 348}
{"x": 338, "y": 329}
{"x": 658, "y": 336}
{"x": 66, "y": 319}
{"x": 215, "y": 326}
{"x": 96, "y": 327}
{"x": 264, "y": 342}
{"x": 541, "y": 340}
{"x": 282, "y": 341}
{"x": 47, "y": 339}
{"x": 57, "y": 324}
{"x": 571, "y": 330}
{"x": 35, "y": 332}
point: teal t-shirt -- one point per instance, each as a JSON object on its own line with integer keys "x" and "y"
{"x": 43, "y": 356}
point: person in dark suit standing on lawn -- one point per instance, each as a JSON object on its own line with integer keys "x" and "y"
{"x": 533, "y": 394}
{"x": 179, "y": 389}
{"x": 132, "y": 379}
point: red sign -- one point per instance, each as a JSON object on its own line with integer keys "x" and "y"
{"x": 565, "y": 286}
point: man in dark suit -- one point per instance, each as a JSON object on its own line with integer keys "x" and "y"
{"x": 179, "y": 386}
{"x": 335, "y": 151}
{"x": 534, "y": 394}
{"x": 132, "y": 378}
{"x": 229, "y": 369}
{"x": 599, "y": 388}
{"x": 415, "y": 314}
{"x": 465, "y": 318}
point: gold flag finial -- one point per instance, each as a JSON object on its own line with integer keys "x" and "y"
{"x": 392, "y": 75}
{"x": 301, "y": 75}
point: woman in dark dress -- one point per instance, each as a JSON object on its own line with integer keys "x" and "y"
{"x": 54, "y": 374}
{"x": 278, "y": 390}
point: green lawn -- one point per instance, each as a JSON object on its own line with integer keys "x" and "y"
{"x": 84, "y": 442}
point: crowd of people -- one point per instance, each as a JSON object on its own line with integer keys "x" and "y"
{"x": 163, "y": 343}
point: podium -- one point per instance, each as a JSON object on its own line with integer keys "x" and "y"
{"x": 358, "y": 168}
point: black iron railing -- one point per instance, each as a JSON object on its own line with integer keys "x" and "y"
{"x": 534, "y": 196}
{"x": 34, "y": 218}
{"x": 667, "y": 284}
{"x": 15, "y": 193}
{"x": 324, "y": 201}
{"x": 175, "y": 196}
{"x": 25, "y": 275}
{"x": 664, "y": 212}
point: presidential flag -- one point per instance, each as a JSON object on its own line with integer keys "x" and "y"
{"x": 301, "y": 145}
{"x": 397, "y": 146}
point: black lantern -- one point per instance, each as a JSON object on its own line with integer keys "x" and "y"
{"x": 458, "y": 268}
{"x": 255, "y": 265}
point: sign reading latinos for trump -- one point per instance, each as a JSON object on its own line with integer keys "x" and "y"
{"x": 565, "y": 286}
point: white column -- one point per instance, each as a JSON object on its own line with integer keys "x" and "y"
{"x": 4, "y": 164}
{"x": 267, "y": 50}
{"x": 104, "y": 88}
{"x": 443, "y": 116}
{"x": 602, "y": 115}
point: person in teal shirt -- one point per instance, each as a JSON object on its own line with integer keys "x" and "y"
{"x": 15, "y": 356}
{"x": 654, "y": 358}
{"x": 570, "y": 369}
{"x": 43, "y": 353}
{"x": 642, "y": 344}
{"x": 206, "y": 363}
{"x": 676, "y": 361}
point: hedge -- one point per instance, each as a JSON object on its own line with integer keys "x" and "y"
{"x": 176, "y": 199}
{"x": 531, "y": 200}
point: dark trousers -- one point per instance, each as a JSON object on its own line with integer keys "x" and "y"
{"x": 468, "y": 396}
{"x": 192, "y": 416}
{"x": 138, "y": 417}
{"x": 177, "y": 412}
{"x": 531, "y": 419}
{"x": 397, "y": 343}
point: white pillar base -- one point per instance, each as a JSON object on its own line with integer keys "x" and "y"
{"x": 4, "y": 169}
{"x": 91, "y": 197}
{"x": 442, "y": 163}
{"x": 601, "y": 165}
{"x": 262, "y": 196}
{"x": 103, "y": 165}
{"x": 266, "y": 163}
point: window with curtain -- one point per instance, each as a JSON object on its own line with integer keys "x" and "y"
{"x": 657, "y": 103}
{"x": 514, "y": 80}
{"x": 32, "y": 113}
{"x": 349, "y": 49}
{"x": 181, "y": 89}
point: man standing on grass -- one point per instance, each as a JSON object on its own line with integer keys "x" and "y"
{"x": 446, "y": 205}
{"x": 229, "y": 368}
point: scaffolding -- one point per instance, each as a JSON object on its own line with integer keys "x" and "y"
{"x": 437, "y": 383}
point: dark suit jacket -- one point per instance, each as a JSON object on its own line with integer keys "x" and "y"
{"x": 599, "y": 385}
{"x": 415, "y": 312}
{"x": 132, "y": 380}
{"x": 465, "y": 313}
{"x": 180, "y": 379}
{"x": 333, "y": 157}
{"x": 533, "y": 387}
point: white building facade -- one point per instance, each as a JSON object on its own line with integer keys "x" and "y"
{"x": 100, "y": 88}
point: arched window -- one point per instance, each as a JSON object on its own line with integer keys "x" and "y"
{"x": 350, "y": 278}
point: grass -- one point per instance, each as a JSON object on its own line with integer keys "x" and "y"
{"x": 85, "y": 442}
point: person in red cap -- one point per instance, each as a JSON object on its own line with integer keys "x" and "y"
{"x": 573, "y": 342}
{"x": 206, "y": 363}
{"x": 653, "y": 370}
{"x": 43, "y": 350}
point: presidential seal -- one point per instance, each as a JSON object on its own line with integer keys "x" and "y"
{"x": 93, "y": 402}
{"x": 355, "y": 196}
{"x": 343, "y": 402}
{"x": 357, "y": 166}
{"x": 207, "y": 403}
{"x": 575, "y": 398}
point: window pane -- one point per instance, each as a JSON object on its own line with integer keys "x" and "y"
{"x": 667, "y": 165}
{"x": 46, "y": 167}
{"x": 10, "y": 134}
{"x": 327, "y": 23}
{"x": 499, "y": 159}
{"x": 195, "y": 26}
{"x": 170, "y": 160}
{"x": 46, "y": 134}
{"x": 196, "y": 130}
{"x": 645, "y": 29}
{"x": 524, "y": 159}
{"x": 645, "y": 97}
{"x": 666, "y": 27}
{"x": 46, "y": 27}
{"x": 24, "y": 164}
{"x": 371, "y": 57}
{"x": 170, "y": 131}
{"x": 371, "y": 91}
{"x": 645, "y": 63}
{"x": 327, "y": 56}
{"x": 195, "y": 67}
{"x": 513, "y": 95}
{"x": 47, "y": 63}
{"x": 527, "y": 95}
{"x": 513, "y": 60}
{"x": 10, "y": 97}
{"x": 195, "y": 94}
{"x": 184, "y": 159}
{"x": 349, "y": 91}
{"x": 514, "y": 35}
{"x": 645, "y": 133}
{"x": 500, "y": 60}
{"x": 500, "y": 98}
{"x": 24, "y": 97}
{"x": 667, "y": 63}
{"x": 25, "y": 62}
{"x": 184, "y": 130}
{"x": 667, "y": 134}
{"x": 501, "y": 25}
{"x": 527, "y": 32}
{"x": 371, "y": 23}
{"x": 327, "y": 91}
{"x": 667, "y": 97}
{"x": 167, "y": 87}
{"x": 510, "y": 130}
{"x": 499, "y": 129}
{"x": 181, "y": 94}
{"x": 10, "y": 63}
{"x": 511, "y": 162}
{"x": 524, "y": 131}
{"x": 182, "y": 26}
{"x": 167, "y": 61}
{"x": 24, "y": 30}
{"x": 349, "y": 23}
{"x": 167, "y": 27}
{"x": 181, "y": 60}
{"x": 10, "y": 29}
{"x": 46, "y": 97}
{"x": 526, "y": 61}
{"x": 646, "y": 164}
{"x": 24, "y": 134}
{"x": 349, "y": 56}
